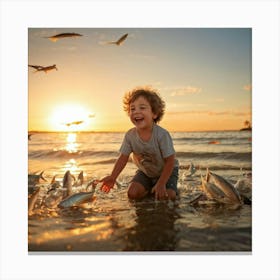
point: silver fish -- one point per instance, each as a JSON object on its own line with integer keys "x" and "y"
{"x": 220, "y": 189}
{"x": 32, "y": 200}
{"x": 212, "y": 191}
{"x": 53, "y": 197}
{"x": 192, "y": 169}
{"x": 63, "y": 35}
{"x": 80, "y": 180}
{"x": 76, "y": 199}
{"x": 34, "y": 179}
{"x": 68, "y": 181}
{"x": 54, "y": 185}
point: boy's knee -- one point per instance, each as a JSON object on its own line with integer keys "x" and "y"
{"x": 132, "y": 194}
{"x": 136, "y": 191}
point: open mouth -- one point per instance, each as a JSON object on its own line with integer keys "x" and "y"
{"x": 138, "y": 119}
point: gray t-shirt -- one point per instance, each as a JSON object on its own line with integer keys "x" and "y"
{"x": 149, "y": 155}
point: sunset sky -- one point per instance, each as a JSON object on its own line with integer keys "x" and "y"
{"x": 204, "y": 76}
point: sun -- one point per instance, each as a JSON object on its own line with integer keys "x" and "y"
{"x": 70, "y": 117}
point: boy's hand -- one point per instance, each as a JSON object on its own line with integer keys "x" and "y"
{"x": 160, "y": 192}
{"x": 108, "y": 183}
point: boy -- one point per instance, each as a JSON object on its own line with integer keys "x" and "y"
{"x": 151, "y": 147}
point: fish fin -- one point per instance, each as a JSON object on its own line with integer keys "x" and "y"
{"x": 207, "y": 175}
{"x": 53, "y": 179}
{"x": 41, "y": 176}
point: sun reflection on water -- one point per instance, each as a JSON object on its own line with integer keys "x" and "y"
{"x": 71, "y": 145}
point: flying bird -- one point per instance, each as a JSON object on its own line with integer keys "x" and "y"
{"x": 63, "y": 35}
{"x": 74, "y": 123}
{"x": 119, "y": 41}
{"x": 37, "y": 67}
{"x": 43, "y": 68}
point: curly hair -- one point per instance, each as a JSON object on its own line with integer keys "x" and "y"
{"x": 151, "y": 95}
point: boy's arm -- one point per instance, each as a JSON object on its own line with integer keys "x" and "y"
{"x": 119, "y": 166}
{"x": 159, "y": 188}
{"x": 109, "y": 181}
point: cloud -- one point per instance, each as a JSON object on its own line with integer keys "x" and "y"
{"x": 247, "y": 87}
{"x": 182, "y": 91}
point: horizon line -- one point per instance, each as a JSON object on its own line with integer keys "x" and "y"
{"x": 123, "y": 131}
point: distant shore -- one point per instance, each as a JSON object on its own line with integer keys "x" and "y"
{"x": 246, "y": 129}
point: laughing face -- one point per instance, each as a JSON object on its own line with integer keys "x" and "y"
{"x": 141, "y": 114}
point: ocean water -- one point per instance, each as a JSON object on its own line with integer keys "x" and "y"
{"x": 113, "y": 223}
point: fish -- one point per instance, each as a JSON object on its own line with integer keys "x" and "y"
{"x": 34, "y": 179}
{"x": 54, "y": 185}
{"x": 92, "y": 184}
{"x": 212, "y": 191}
{"x": 119, "y": 41}
{"x": 77, "y": 199}
{"x": 32, "y": 200}
{"x": 68, "y": 181}
{"x": 80, "y": 180}
{"x": 63, "y": 35}
{"x": 192, "y": 169}
{"x": 52, "y": 198}
{"x": 218, "y": 188}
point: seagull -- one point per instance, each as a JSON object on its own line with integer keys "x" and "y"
{"x": 119, "y": 41}
{"x": 37, "y": 67}
{"x": 63, "y": 35}
{"x": 74, "y": 123}
{"x": 42, "y": 68}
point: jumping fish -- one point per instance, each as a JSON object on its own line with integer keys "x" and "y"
{"x": 119, "y": 41}
{"x": 63, "y": 35}
{"x": 80, "y": 180}
{"x": 76, "y": 199}
{"x": 212, "y": 191}
{"x": 218, "y": 188}
{"x": 67, "y": 182}
{"x": 32, "y": 200}
{"x": 34, "y": 179}
{"x": 192, "y": 169}
{"x": 53, "y": 185}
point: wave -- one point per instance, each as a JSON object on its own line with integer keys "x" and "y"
{"x": 247, "y": 156}
{"x": 67, "y": 154}
{"x": 104, "y": 155}
{"x": 215, "y": 167}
